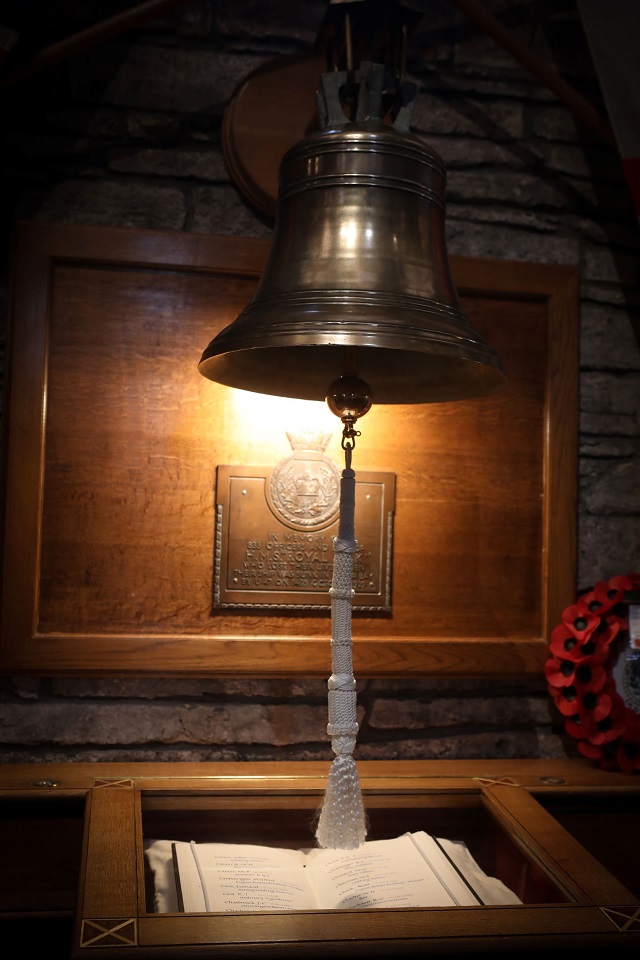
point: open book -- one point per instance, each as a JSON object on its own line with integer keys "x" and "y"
{"x": 412, "y": 870}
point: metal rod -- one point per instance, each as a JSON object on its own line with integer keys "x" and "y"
{"x": 547, "y": 75}
{"x": 347, "y": 33}
{"x": 402, "y": 69}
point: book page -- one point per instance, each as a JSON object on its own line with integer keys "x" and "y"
{"x": 225, "y": 877}
{"x": 488, "y": 889}
{"x": 388, "y": 873}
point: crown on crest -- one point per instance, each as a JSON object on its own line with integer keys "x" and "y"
{"x": 309, "y": 440}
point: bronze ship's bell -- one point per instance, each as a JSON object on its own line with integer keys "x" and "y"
{"x": 358, "y": 278}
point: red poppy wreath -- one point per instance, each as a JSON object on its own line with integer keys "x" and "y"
{"x": 588, "y": 652}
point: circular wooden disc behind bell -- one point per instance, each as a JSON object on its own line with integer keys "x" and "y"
{"x": 272, "y": 110}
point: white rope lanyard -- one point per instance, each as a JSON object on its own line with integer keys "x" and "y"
{"x": 342, "y": 823}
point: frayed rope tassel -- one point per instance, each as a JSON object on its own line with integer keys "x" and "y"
{"x": 342, "y": 822}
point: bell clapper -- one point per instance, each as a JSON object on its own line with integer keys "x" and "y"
{"x": 349, "y": 398}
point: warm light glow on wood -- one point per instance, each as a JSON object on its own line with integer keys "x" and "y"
{"x": 110, "y": 524}
{"x": 270, "y": 418}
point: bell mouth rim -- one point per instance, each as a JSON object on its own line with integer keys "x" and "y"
{"x": 360, "y": 318}
{"x": 438, "y": 347}
{"x": 423, "y": 341}
{"x": 409, "y": 378}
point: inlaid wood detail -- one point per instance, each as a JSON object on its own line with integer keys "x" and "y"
{"x": 497, "y": 780}
{"x": 624, "y": 918}
{"x": 106, "y": 782}
{"x": 113, "y": 932}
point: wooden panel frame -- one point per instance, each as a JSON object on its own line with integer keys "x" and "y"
{"x": 39, "y": 250}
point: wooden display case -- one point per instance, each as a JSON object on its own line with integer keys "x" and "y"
{"x": 503, "y": 810}
{"x": 569, "y": 899}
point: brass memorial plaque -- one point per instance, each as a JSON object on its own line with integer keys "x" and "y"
{"x": 275, "y": 529}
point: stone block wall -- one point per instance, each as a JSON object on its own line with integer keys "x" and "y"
{"x": 128, "y": 134}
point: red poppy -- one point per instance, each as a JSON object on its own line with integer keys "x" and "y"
{"x": 567, "y": 703}
{"x": 566, "y": 646}
{"x": 578, "y": 674}
{"x": 594, "y": 649}
{"x": 608, "y": 595}
{"x": 559, "y": 673}
{"x": 566, "y": 673}
{"x": 591, "y": 750}
{"x": 580, "y": 620}
{"x": 609, "y": 727}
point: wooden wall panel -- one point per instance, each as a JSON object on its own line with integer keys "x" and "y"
{"x": 113, "y": 438}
